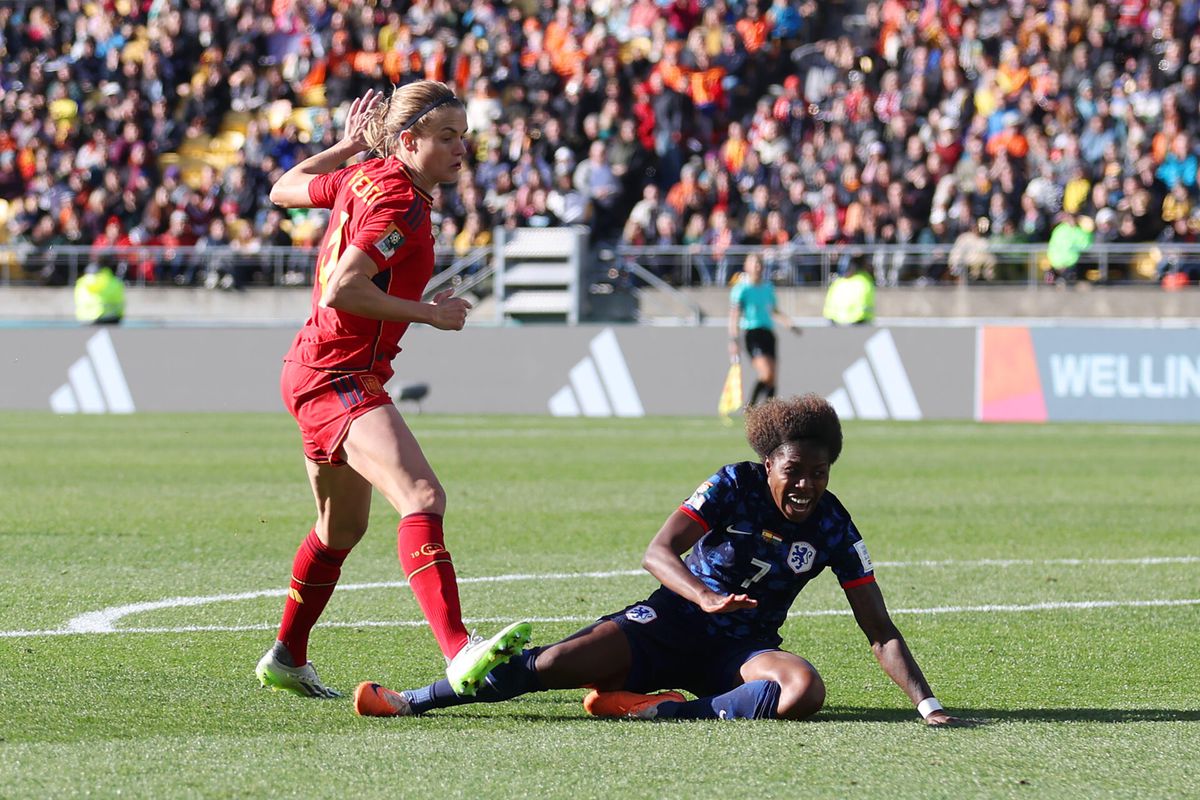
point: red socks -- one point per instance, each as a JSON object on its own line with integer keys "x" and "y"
{"x": 426, "y": 565}
{"x": 314, "y": 576}
{"x": 430, "y": 573}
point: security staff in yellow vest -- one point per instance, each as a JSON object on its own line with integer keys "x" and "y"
{"x": 851, "y": 298}
{"x": 99, "y": 296}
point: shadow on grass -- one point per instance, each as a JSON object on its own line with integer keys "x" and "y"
{"x": 1112, "y": 715}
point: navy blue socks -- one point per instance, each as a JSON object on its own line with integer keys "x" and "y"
{"x": 517, "y": 677}
{"x": 753, "y": 700}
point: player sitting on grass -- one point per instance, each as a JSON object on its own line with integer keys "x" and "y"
{"x": 758, "y": 533}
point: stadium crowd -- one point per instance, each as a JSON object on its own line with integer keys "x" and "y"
{"x": 721, "y": 123}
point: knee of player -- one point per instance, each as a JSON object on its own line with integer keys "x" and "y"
{"x": 801, "y": 695}
{"x": 428, "y": 496}
{"x": 343, "y": 532}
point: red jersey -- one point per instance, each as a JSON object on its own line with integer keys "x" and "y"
{"x": 377, "y": 208}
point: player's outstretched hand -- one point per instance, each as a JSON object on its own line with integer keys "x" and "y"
{"x": 940, "y": 719}
{"x": 357, "y": 117}
{"x": 714, "y": 603}
{"x": 449, "y": 312}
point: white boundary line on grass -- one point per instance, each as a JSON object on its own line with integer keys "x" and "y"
{"x": 104, "y": 621}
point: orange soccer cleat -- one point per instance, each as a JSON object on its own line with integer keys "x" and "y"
{"x": 630, "y": 705}
{"x": 373, "y": 700}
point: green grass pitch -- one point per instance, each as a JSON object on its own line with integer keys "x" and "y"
{"x": 1046, "y": 577}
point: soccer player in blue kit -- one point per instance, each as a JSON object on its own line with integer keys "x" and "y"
{"x": 757, "y": 533}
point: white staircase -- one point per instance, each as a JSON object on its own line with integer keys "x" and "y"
{"x": 538, "y": 274}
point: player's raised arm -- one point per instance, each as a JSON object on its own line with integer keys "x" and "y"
{"x": 893, "y": 654}
{"x": 291, "y": 190}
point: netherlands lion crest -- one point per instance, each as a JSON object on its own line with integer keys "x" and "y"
{"x": 801, "y": 556}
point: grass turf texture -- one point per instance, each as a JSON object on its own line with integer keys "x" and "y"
{"x": 109, "y": 511}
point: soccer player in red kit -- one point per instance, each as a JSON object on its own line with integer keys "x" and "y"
{"x": 374, "y": 263}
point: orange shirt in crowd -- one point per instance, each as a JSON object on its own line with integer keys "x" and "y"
{"x": 753, "y": 33}
{"x": 704, "y": 86}
{"x": 673, "y": 75}
{"x": 682, "y": 195}
{"x": 1011, "y": 140}
{"x": 397, "y": 63}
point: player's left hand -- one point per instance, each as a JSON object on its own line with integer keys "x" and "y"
{"x": 450, "y": 312}
{"x": 940, "y": 719}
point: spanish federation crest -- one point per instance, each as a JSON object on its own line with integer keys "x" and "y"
{"x": 801, "y": 556}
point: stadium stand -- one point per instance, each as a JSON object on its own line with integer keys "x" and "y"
{"x": 938, "y": 124}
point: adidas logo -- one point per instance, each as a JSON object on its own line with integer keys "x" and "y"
{"x": 95, "y": 383}
{"x": 876, "y": 387}
{"x": 600, "y": 385}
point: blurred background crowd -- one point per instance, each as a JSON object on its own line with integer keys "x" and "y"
{"x": 725, "y": 123}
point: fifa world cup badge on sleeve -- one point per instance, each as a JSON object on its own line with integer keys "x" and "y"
{"x": 390, "y": 241}
{"x": 863, "y": 556}
{"x": 698, "y": 497}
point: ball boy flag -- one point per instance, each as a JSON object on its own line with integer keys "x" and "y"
{"x": 731, "y": 393}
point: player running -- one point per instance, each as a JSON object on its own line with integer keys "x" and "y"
{"x": 374, "y": 263}
{"x": 758, "y": 533}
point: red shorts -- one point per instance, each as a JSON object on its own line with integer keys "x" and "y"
{"x": 325, "y": 403}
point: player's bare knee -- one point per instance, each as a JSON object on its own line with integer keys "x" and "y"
{"x": 801, "y": 696}
{"x": 341, "y": 533}
{"x": 427, "y": 496}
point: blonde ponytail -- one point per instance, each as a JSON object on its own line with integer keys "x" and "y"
{"x": 410, "y": 107}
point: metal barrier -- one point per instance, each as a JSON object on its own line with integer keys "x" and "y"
{"x": 972, "y": 263}
{"x": 962, "y": 263}
{"x": 223, "y": 267}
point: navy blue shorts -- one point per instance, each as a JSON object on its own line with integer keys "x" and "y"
{"x": 672, "y": 648}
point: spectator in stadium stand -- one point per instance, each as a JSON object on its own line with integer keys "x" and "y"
{"x": 596, "y": 180}
{"x": 757, "y": 532}
{"x": 373, "y": 268}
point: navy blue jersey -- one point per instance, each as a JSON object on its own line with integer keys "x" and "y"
{"x": 751, "y": 548}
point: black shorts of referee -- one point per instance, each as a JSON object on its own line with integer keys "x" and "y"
{"x": 760, "y": 342}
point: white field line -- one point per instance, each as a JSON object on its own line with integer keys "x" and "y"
{"x": 104, "y": 621}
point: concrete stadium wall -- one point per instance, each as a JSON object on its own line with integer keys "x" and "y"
{"x": 989, "y": 373}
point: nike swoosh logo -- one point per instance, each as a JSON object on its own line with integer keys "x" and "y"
{"x": 732, "y": 529}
